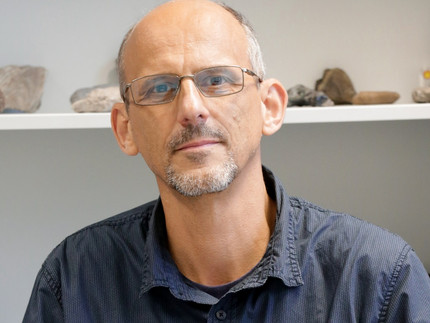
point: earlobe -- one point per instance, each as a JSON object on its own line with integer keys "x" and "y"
{"x": 274, "y": 102}
{"x": 121, "y": 128}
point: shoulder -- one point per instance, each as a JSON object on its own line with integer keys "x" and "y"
{"x": 136, "y": 218}
{"x": 137, "y": 214}
{"x": 111, "y": 250}
{"x": 311, "y": 219}
{"x": 103, "y": 239}
{"x": 359, "y": 261}
{"x": 338, "y": 240}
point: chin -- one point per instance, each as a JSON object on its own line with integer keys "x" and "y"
{"x": 197, "y": 182}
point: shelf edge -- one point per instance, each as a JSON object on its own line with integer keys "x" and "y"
{"x": 54, "y": 121}
{"x": 388, "y": 112}
{"x": 293, "y": 115}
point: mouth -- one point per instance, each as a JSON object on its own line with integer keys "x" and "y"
{"x": 196, "y": 139}
{"x": 197, "y": 144}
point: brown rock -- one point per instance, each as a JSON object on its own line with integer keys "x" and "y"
{"x": 337, "y": 85}
{"x": 22, "y": 87}
{"x": 421, "y": 95}
{"x": 375, "y": 97}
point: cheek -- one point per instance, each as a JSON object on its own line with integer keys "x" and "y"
{"x": 247, "y": 116}
{"x": 149, "y": 135}
{"x": 245, "y": 125}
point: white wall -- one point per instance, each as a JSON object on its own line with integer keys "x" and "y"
{"x": 55, "y": 182}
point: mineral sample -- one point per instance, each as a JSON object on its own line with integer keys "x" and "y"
{"x": 22, "y": 87}
{"x": 337, "y": 85}
{"x": 375, "y": 97}
{"x": 421, "y": 95}
{"x": 100, "y": 98}
{"x": 2, "y": 103}
{"x": 300, "y": 95}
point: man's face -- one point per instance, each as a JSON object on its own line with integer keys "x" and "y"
{"x": 194, "y": 144}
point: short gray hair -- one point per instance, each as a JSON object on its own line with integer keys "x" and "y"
{"x": 254, "y": 51}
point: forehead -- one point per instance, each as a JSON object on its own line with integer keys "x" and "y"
{"x": 183, "y": 36}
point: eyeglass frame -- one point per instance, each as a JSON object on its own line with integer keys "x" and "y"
{"x": 180, "y": 78}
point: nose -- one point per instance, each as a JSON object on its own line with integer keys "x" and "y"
{"x": 190, "y": 106}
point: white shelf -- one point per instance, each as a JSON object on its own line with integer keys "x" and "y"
{"x": 358, "y": 113}
{"x": 54, "y": 121}
{"x": 293, "y": 115}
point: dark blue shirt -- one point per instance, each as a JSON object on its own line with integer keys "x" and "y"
{"x": 320, "y": 266}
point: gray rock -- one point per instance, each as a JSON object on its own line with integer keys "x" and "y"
{"x": 421, "y": 95}
{"x": 99, "y": 98}
{"x": 22, "y": 87}
{"x": 300, "y": 95}
{"x": 82, "y": 93}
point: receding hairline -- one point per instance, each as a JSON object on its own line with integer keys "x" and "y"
{"x": 254, "y": 51}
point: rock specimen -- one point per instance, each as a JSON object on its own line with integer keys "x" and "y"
{"x": 300, "y": 95}
{"x": 99, "y": 98}
{"x": 421, "y": 95}
{"x": 375, "y": 97}
{"x": 22, "y": 87}
{"x": 337, "y": 85}
{"x": 2, "y": 103}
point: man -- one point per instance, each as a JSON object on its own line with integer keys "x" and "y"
{"x": 224, "y": 242}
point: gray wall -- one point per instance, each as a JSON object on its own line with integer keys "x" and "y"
{"x": 54, "y": 182}
{"x": 382, "y": 44}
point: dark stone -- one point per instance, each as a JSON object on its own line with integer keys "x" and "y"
{"x": 300, "y": 95}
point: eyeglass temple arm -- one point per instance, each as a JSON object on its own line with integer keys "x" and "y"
{"x": 123, "y": 90}
{"x": 249, "y": 72}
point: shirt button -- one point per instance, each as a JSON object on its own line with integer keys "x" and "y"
{"x": 221, "y": 315}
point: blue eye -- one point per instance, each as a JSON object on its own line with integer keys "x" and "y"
{"x": 161, "y": 88}
{"x": 216, "y": 80}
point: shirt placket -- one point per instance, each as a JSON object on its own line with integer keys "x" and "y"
{"x": 223, "y": 311}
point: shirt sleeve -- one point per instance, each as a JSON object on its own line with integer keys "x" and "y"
{"x": 45, "y": 301}
{"x": 407, "y": 298}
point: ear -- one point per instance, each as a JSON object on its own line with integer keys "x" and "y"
{"x": 274, "y": 100}
{"x": 121, "y": 128}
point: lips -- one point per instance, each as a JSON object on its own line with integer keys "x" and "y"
{"x": 193, "y": 137}
{"x": 197, "y": 144}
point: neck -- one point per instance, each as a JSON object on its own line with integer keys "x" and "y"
{"x": 217, "y": 238}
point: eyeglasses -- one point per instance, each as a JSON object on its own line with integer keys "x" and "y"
{"x": 211, "y": 82}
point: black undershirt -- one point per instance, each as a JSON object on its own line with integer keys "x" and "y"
{"x": 220, "y": 290}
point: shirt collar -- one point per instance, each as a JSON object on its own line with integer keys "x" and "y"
{"x": 280, "y": 260}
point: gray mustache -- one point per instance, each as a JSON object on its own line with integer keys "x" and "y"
{"x": 194, "y": 131}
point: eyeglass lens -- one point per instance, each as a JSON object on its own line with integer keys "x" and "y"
{"x": 212, "y": 82}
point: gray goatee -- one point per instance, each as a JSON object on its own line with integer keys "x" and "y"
{"x": 194, "y": 184}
